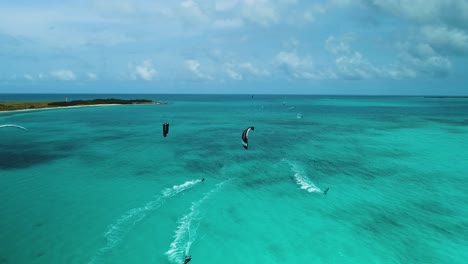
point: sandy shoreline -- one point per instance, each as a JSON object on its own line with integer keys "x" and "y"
{"x": 58, "y": 107}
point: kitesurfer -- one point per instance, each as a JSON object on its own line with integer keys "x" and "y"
{"x": 203, "y": 179}
{"x": 326, "y": 190}
{"x": 187, "y": 259}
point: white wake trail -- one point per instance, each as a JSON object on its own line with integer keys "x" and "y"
{"x": 301, "y": 178}
{"x": 186, "y": 232}
{"x": 124, "y": 224}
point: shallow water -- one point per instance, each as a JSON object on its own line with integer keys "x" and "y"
{"x": 101, "y": 184}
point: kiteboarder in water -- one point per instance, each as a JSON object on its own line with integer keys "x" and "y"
{"x": 187, "y": 259}
{"x": 203, "y": 179}
{"x": 245, "y": 137}
{"x": 326, "y": 190}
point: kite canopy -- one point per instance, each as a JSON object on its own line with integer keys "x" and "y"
{"x": 12, "y": 125}
{"x": 245, "y": 137}
{"x": 165, "y": 129}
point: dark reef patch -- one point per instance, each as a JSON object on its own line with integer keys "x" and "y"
{"x": 22, "y": 154}
{"x": 434, "y": 207}
{"x": 112, "y": 136}
{"x": 294, "y": 123}
{"x": 255, "y": 183}
{"x": 332, "y": 166}
{"x": 449, "y": 122}
{"x": 202, "y": 166}
{"x": 234, "y": 215}
{"x": 456, "y": 131}
{"x": 39, "y": 254}
{"x": 20, "y": 159}
{"x": 38, "y": 225}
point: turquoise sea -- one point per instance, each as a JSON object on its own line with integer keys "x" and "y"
{"x": 102, "y": 185}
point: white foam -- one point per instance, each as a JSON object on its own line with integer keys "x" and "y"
{"x": 124, "y": 224}
{"x": 305, "y": 183}
{"x": 186, "y": 231}
{"x": 169, "y": 192}
{"x": 301, "y": 179}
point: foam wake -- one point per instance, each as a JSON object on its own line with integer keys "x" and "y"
{"x": 124, "y": 224}
{"x": 301, "y": 178}
{"x": 186, "y": 232}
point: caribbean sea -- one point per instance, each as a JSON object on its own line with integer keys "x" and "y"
{"x": 102, "y": 184}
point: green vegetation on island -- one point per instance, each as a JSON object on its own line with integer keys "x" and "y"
{"x": 13, "y": 106}
{"x": 446, "y": 96}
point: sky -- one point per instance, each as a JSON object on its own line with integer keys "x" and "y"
{"x": 374, "y": 47}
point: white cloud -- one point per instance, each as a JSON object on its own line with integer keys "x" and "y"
{"x": 415, "y": 59}
{"x": 311, "y": 13}
{"x": 228, "y": 23}
{"x": 292, "y": 44}
{"x": 102, "y": 22}
{"x": 262, "y": 12}
{"x": 420, "y": 50}
{"x": 291, "y": 60}
{"x": 194, "y": 67}
{"x": 450, "y": 12}
{"x": 225, "y": 5}
{"x": 47, "y": 25}
{"x": 247, "y": 66}
{"x": 340, "y": 3}
{"x": 295, "y": 66}
{"x": 242, "y": 70}
{"x": 234, "y": 75}
{"x": 108, "y": 39}
{"x": 192, "y": 12}
{"x": 337, "y": 46}
{"x": 64, "y": 75}
{"x": 441, "y": 23}
{"x": 355, "y": 66}
{"x": 315, "y": 10}
{"x": 454, "y": 40}
{"x": 421, "y": 58}
{"x": 92, "y": 76}
{"x": 77, "y": 24}
{"x": 144, "y": 71}
{"x": 28, "y": 76}
{"x": 349, "y": 64}
{"x": 399, "y": 73}
{"x": 115, "y": 7}
{"x": 32, "y": 77}
{"x": 270, "y": 12}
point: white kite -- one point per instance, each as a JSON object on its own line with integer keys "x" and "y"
{"x": 11, "y": 125}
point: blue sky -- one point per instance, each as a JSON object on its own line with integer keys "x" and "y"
{"x": 234, "y": 46}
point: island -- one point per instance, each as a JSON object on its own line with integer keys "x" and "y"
{"x": 14, "y": 106}
{"x": 447, "y": 96}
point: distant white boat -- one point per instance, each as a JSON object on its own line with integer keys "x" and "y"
{"x": 12, "y": 125}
